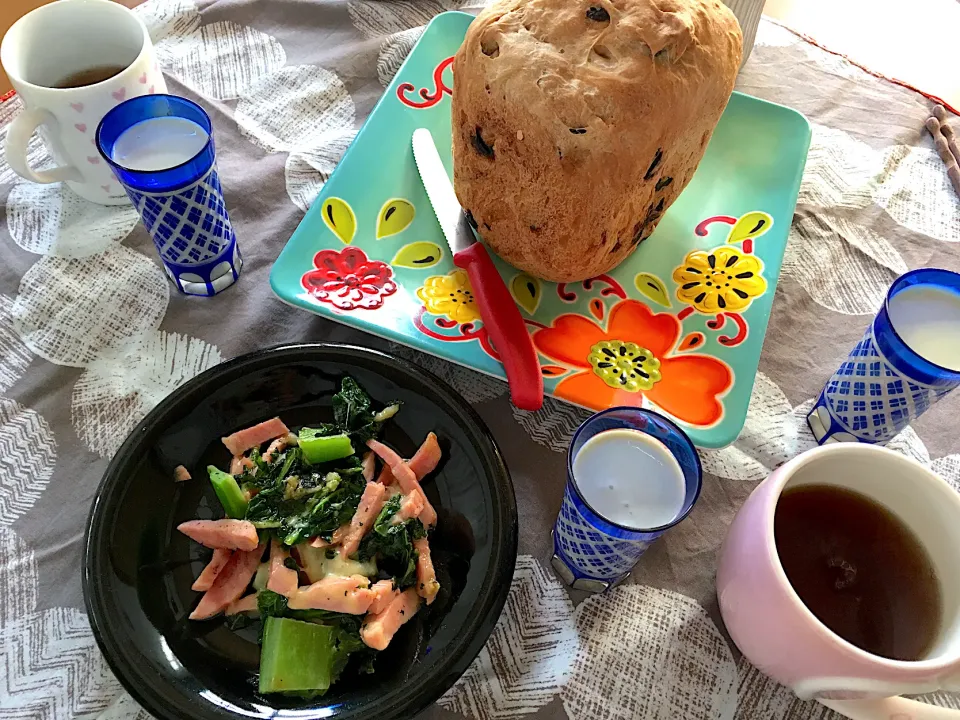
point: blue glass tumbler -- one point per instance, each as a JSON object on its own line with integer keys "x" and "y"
{"x": 182, "y": 206}
{"x": 884, "y": 384}
{"x": 591, "y": 552}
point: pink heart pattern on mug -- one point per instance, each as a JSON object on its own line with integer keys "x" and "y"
{"x": 143, "y": 79}
{"x": 106, "y": 188}
{"x": 82, "y": 127}
{"x": 151, "y": 90}
{"x": 93, "y": 160}
{"x": 120, "y": 94}
{"x": 77, "y": 106}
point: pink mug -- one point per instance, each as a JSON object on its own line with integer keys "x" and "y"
{"x": 780, "y": 636}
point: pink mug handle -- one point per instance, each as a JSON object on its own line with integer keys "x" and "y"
{"x": 891, "y": 708}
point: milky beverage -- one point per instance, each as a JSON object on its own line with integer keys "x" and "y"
{"x": 159, "y": 144}
{"x": 928, "y": 320}
{"x": 630, "y": 479}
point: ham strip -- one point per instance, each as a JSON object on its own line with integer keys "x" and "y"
{"x": 369, "y": 465}
{"x": 229, "y": 585}
{"x": 427, "y": 585}
{"x": 226, "y": 534}
{"x": 181, "y": 474}
{"x": 378, "y": 629}
{"x": 370, "y": 504}
{"x": 405, "y": 478}
{"x": 411, "y": 507}
{"x": 351, "y": 595}
{"x": 319, "y": 542}
{"x": 213, "y": 568}
{"x": 384, "y": 592}
{"x": 239, "y": 463}
{"x": 427, "y": 457}
{"x": 282, "y": 580}
{"x": 251, "y": 437}
{"x": 248, "y": 603}
{"x": 279, "y": 445}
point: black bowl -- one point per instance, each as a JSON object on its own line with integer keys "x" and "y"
{"x": 138, "y": 569}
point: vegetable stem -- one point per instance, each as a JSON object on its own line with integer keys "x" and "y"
{"x": 325, "y": 448}
{"x": 296, "y": 656}
{"x": 228, "y": 492}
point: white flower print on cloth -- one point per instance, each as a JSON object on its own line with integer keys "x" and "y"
{"x": 917, "y": 194}
{"x": 773, "y": 35}
{"x": 474, "y": 386}
{"x": 222, "y": 60}
{"x": 649, "y": 653}
{"x": 68, "y": 310}
{"x": 775, "y": 432}
{"x": 306, "y": 171}
{"x": 772, "y": 434}
{"x": 376, "y": 18}
{"x": 28, "y": 453}
{"x": 54, "y": 220}
{"x": 300, "y": 107}
{"x": 843, "y": 266}
{"x": 168, "y": 19}
{"x": 948, "y": 467}
{"x": 15, "y": 357}
{"x": 121, "y": 385}
{"x": 18, "y": 577}
{"x": 393, "y": 51}
{"x": 841, "y": 171}
{"x": 527, "y": 658}
{"x": 53, "y": 669}
{"x": 553, "y": 424}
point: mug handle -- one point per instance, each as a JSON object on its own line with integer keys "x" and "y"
{"x": 18, "y": 136}
{"x": 891, "y": 708}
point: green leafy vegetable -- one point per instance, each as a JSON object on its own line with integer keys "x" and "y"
{"x": 353, "y": 415}
{"x": 392, "y": 544}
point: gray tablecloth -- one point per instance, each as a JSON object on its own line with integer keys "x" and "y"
{"x": 92, "y": 337}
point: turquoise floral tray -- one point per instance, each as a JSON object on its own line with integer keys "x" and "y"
{"x": 690, "y": 306}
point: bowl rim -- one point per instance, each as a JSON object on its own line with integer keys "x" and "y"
{"x": 495, "y": 585}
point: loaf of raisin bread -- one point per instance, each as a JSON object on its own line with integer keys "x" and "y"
{"x": 576, "y": 123}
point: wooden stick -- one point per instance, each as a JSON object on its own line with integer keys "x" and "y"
{"x": 940, "y": 142}
{"x": 940, "y": 113}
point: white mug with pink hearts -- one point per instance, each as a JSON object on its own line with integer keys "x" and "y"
{"x": 71, "y": 61}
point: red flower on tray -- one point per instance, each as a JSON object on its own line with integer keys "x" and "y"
{"x": 349, "y": 280}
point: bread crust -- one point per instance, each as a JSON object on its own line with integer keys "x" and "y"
{"x": 577, "y": 124}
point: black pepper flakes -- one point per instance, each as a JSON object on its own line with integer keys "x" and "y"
{"x": 597, "y": 14}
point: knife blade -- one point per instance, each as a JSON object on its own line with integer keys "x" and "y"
{"x": 497, "y": 308}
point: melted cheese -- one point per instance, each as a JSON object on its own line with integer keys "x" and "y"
{"x": 317, "y": 565}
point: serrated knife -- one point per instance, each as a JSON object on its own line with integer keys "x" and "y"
{"x": 497, "y": 309}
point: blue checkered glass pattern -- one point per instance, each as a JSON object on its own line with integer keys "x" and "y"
{"x": 590, "y": 553}
{"x": 193, "y": 234}
{"x": 869, "y": 399}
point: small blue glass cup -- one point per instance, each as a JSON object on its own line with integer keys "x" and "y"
{"x": 591, "y": 552}
{"x": 182, "y": 206}
{"x": 884, "y": 384}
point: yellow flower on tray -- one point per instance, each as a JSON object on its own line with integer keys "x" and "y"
{"x": 450, "y": 295}
{"x": 720, "y": 280}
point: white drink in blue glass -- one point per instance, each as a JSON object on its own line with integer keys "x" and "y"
{"x": 927, "y": 319}
{"x": 159, "y": 143}
{"x": 630, "y": 478}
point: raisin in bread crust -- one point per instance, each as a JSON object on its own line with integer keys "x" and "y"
{"x": 578, "y": 123}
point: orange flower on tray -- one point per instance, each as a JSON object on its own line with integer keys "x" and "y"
{"x": 631, "y": 359}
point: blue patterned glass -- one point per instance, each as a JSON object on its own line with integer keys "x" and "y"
{"x": 182, "y": 207}
{"x": 590, "y": 551}
{"x": 883, "y": 384}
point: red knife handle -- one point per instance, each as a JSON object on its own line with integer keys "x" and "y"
{"x": 505, "y": 325}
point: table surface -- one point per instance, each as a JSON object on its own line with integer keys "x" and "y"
{"x": 92, "y": 336}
